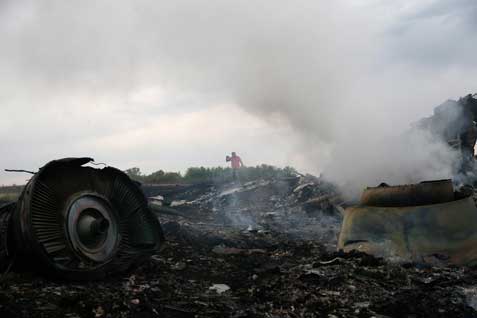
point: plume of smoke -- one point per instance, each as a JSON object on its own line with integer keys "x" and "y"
{"x": 411, "y": 157}
{"x": 314, "y": 65}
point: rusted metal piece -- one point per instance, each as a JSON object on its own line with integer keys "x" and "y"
{"x": 427, "y": 192}
{"x": 77, "y": 222}
{"x": 443, "y": 232}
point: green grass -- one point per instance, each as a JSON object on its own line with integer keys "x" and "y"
{"x": 214, "y": 174}
{"x": 12, "y": 196}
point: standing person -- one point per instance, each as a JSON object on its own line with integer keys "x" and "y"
{"x": 236, "y": 163}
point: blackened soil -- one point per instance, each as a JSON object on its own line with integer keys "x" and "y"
{"x": 268, "y": 274}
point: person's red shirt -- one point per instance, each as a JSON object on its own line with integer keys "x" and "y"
{"x": 236, "y": 162}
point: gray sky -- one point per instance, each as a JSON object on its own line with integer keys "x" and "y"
{"x": 172, "y": 84}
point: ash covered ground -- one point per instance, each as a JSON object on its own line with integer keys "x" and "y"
{"x": 260, "y": 249}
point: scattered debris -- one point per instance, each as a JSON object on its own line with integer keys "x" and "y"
{"x": 220, "y": 249}
{"x": 135, "y": 301}
{"x": 219, "y": 288}
{"x": 289, "y": 280}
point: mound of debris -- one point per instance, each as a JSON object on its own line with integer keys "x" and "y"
{"x": 302, "y": 207}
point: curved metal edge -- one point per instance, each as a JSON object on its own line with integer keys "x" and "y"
{"x": 73, "y": 161}
{"x": 419, "y": 194}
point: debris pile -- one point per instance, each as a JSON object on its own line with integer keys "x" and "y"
{"x": 302, "y": 207}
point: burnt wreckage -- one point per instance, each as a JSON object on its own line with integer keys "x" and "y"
{"x": 427, "y": 222}
{"x": 78, "y": 222}
{"x": 424, "y": 223}
{"x": 262, "y": 248}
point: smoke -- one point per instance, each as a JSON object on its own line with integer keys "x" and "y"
{"x": 411, "y": 157}
{"x": 346, "y": 78}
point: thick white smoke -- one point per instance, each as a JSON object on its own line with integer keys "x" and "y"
{"x": 376, "y": 157}
{"x": 343, "y": 76}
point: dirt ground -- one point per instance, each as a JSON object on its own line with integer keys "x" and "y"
{"x": 215, "y": 265}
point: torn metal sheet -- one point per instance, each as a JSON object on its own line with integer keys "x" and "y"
{"x": 445, "y": 232}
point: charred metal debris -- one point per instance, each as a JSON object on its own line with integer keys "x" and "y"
{"x": 422, "y": 223}
{"x": 78, "y": 222}
{"x": 427, "y": 222}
